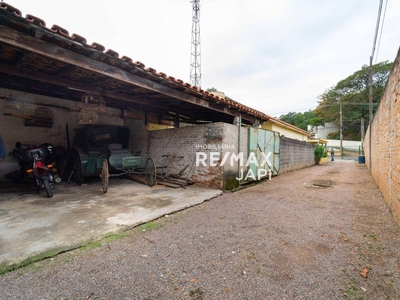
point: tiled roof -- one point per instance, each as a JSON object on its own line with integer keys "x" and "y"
{"x": 76, "y": 38}
{"x": 276, "y": 120}
{"x": 61, "y": 37}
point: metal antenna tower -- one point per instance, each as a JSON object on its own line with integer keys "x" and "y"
{"x": 195, "y": 62}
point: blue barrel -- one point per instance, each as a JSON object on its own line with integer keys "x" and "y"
{"x": 361, "y": 159}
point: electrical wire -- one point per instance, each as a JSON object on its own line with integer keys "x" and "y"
{"x": 378, "y": 20}
{"x": 380, "y": 35}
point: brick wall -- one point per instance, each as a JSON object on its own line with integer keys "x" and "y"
{"x": 218, "y": 139}
{"x": 181, "y": 144}
{"x": 295, "y": 155}
{"x": 385, "y": 143}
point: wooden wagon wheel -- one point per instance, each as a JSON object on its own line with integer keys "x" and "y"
{"x": 77, "y": 167}
{"x": 105, "y": 176}
{"x": 150, "y": 172}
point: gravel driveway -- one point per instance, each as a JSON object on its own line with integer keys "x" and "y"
{"x": 323, "y": 232}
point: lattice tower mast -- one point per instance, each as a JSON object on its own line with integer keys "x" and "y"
{"x": 195, "y": 61}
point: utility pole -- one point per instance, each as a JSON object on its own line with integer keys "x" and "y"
{"x": 370, "y": 84}
{"x": 341, "y": 131}
{"x": 362, "y": 135}
{"x": 195, "y": 61}
{"x": 370, "y": 111}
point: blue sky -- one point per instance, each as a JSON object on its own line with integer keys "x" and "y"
{"x": 274, "y": 56}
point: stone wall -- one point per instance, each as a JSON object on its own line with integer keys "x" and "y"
{"x": 384, "y": 158}
{"x": 295, "y": 155}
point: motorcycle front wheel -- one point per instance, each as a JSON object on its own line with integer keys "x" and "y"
{"x": 47, "y": 187}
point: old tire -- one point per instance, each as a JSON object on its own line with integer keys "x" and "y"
{"x": 47, "y": 188}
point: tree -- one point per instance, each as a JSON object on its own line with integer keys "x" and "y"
{"x": 213, "y": 89}
{"x": 353, "y": 93}
{"x": 300, "y": 120}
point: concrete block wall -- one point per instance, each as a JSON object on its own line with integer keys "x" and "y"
{"x": 384, "y": 158}
{"x": 295, "y": 155}
{"x": 13, "y": 129}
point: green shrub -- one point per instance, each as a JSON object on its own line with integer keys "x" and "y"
{"x": 319, "y": 151}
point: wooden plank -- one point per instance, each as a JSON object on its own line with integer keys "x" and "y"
{"x": 169, "y": 184}
{"x": 137, "y": 178}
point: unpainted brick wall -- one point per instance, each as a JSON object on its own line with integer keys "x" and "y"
{"x": 385, "y": 143}
{"x": 295, "y": 155}
{"x": 218, "y": 139}
{"x": 181, "y": 145}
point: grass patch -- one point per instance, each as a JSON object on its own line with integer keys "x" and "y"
{"x": 117, "y": 237}
{"x": 90, "y": 246}
{"x": 149, "y": 226}
{"x": 47, "y": 254}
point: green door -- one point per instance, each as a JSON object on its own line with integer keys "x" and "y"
{"x": 263, "y": 155}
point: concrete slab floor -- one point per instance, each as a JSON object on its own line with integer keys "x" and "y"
{"x": 33, "y": 226}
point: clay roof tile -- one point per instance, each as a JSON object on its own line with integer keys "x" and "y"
{"x": 127, "y": 59}
{"x": 35, "y": 20}
{"x": 78, "y": 38}
{"x": 112, "y": 53}
{"x": 140, "y": 64}
{"x": 61, "y": 31}
{"x": 151, "y": 70}
{"x": 10, "y": 9}
{"x": 98, "y": 47}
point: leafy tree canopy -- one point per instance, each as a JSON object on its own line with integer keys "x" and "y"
{"x": 353, "y": 93}
{"x": 300, "y": 120}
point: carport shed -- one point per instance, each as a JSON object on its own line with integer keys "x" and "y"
{"x": 47, "y": 76}
{"x": 45, "y": 73}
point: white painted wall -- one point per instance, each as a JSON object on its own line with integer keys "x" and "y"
{"x": 346, "y": 144}
{"x": 322, "y": 131}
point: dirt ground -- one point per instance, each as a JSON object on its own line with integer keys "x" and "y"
{"x": 323, "y": 232}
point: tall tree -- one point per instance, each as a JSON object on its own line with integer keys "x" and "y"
{"x": 353, "y": 93}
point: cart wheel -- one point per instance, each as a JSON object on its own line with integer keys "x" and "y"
{"x": 105, "y": 176}
{"x": 77, "y": 171}
{"x": 150, "y": 171}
